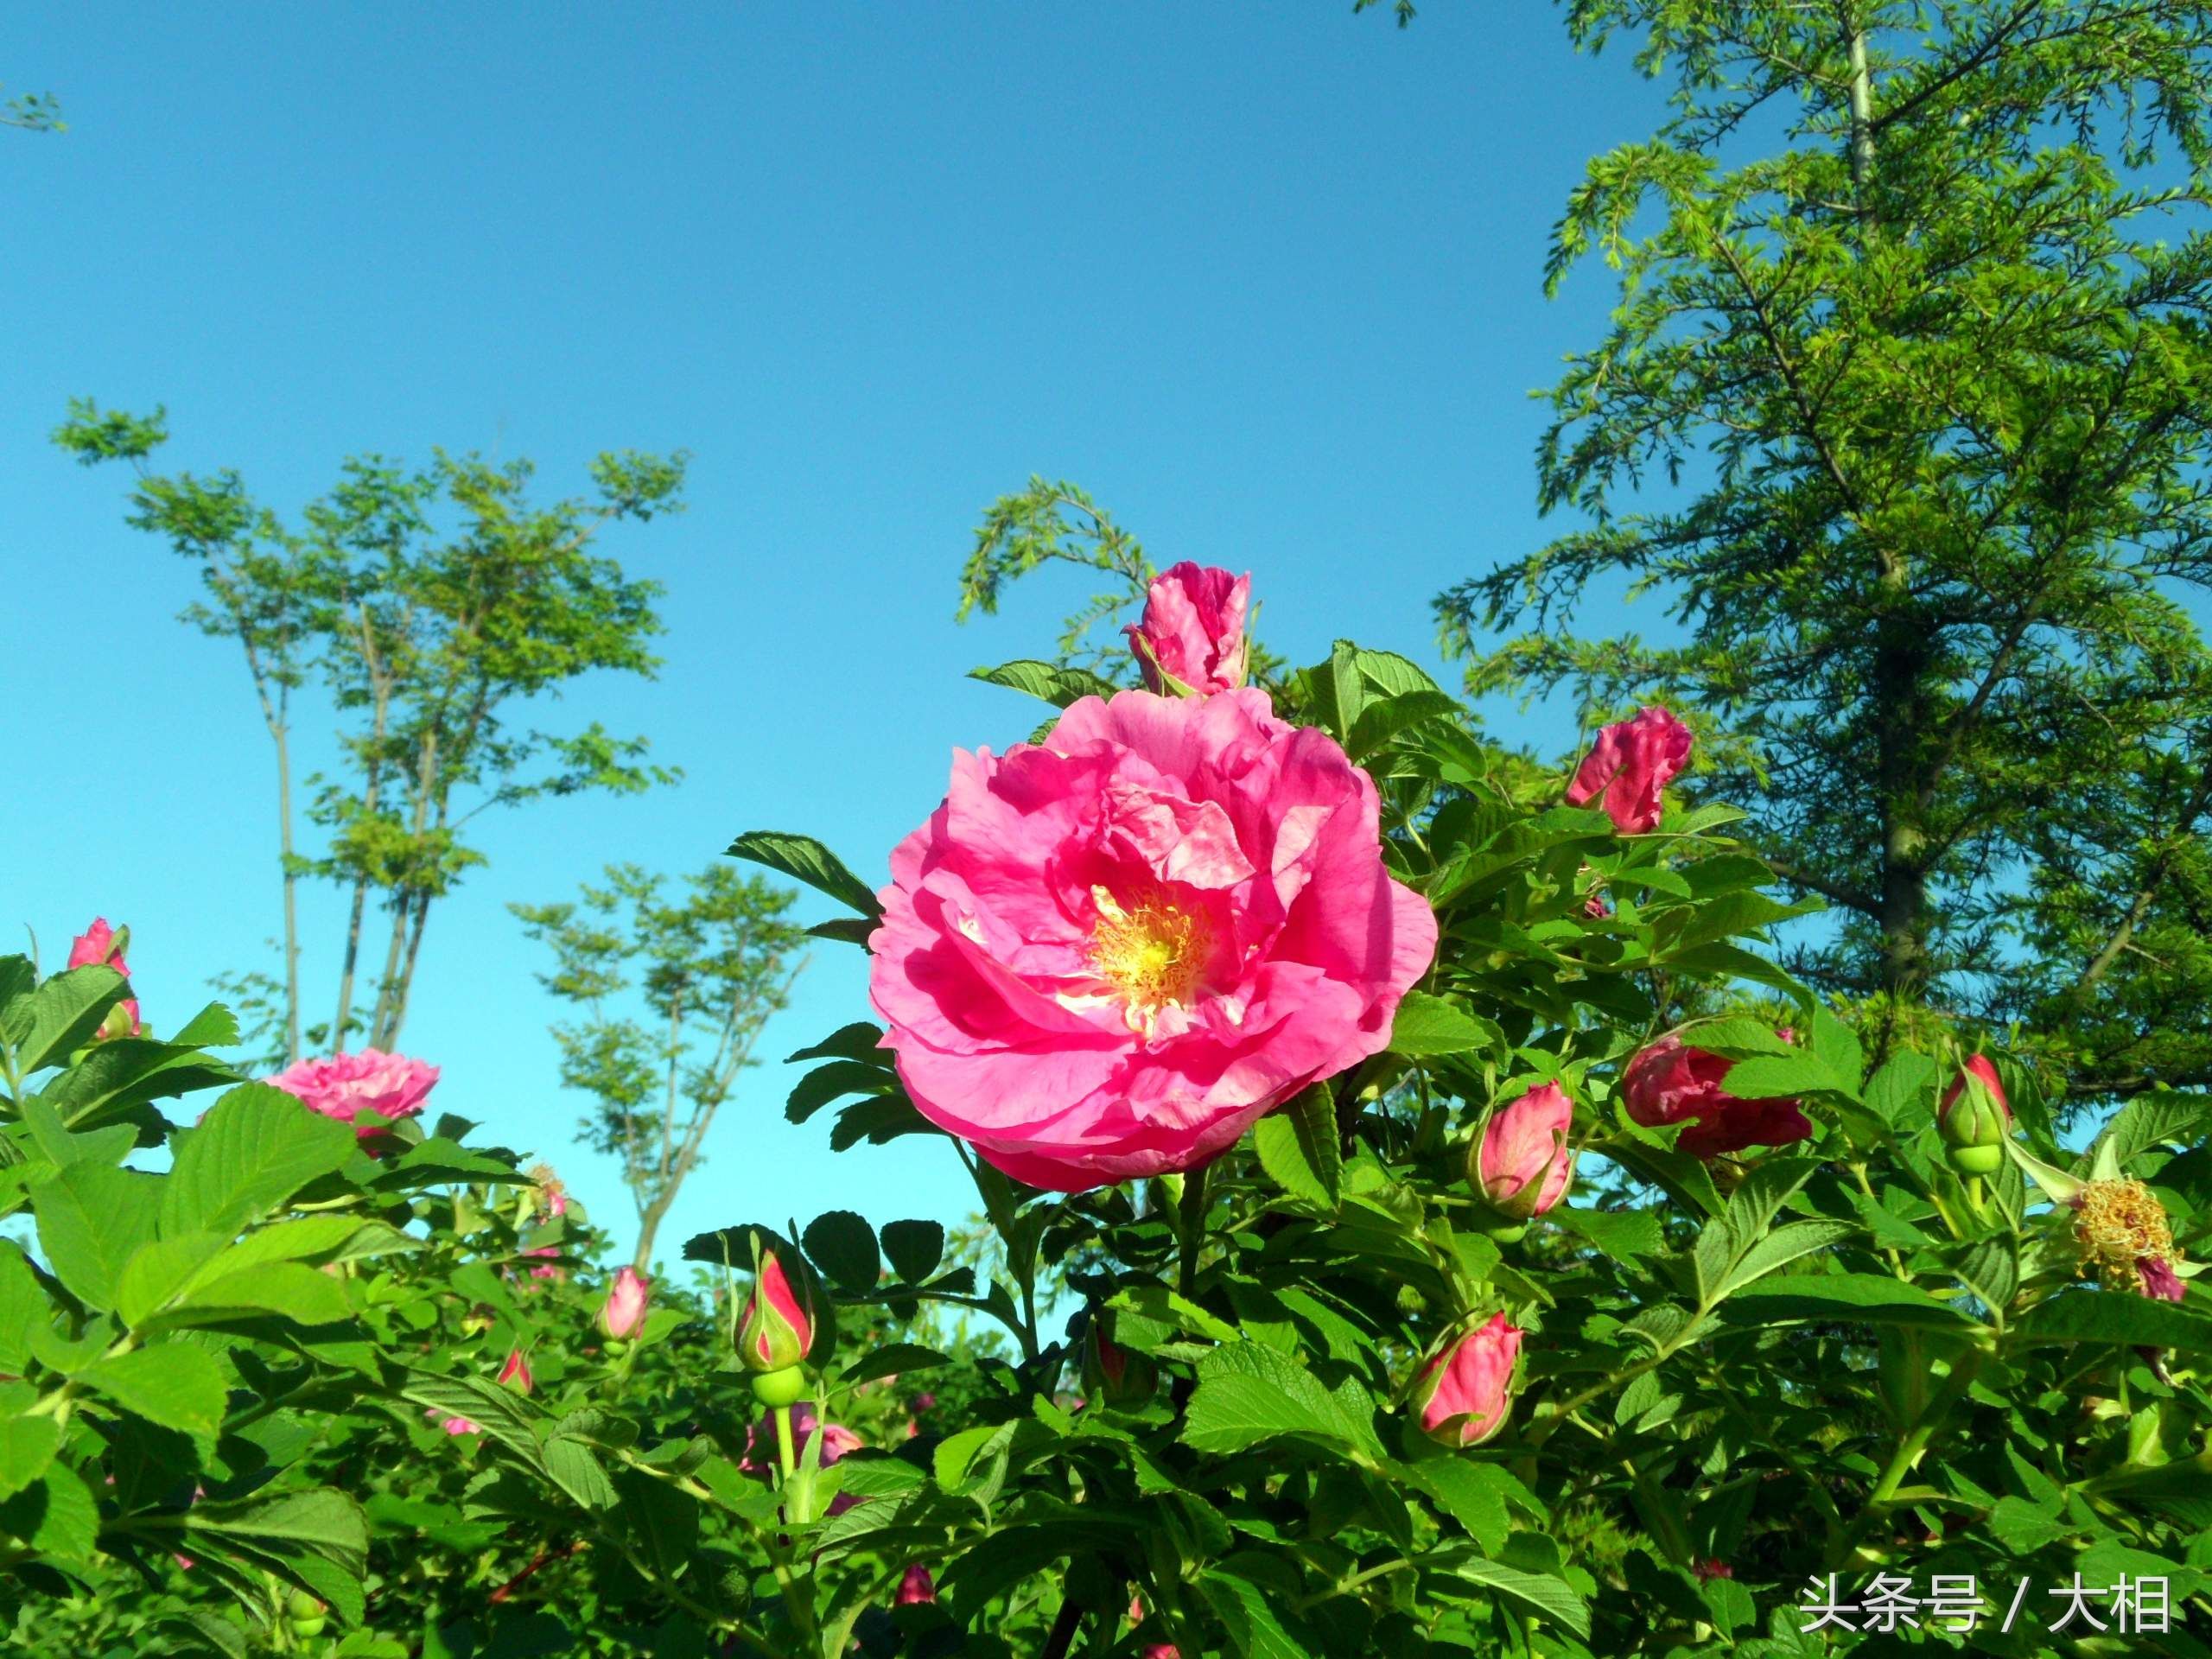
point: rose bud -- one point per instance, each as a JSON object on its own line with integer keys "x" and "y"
{"x": 1976, "y": 1119}
{"x": 916, "y": 1586}
{"x": 1113, "y": 1373}
{"x": 625, "y": 1308}
{"x": 1463, "y": 1388}
{"x": 1192, "y": 638}
{"x": 517, "y": 1371}
{"x": 1670, "y": 1082}
{"x": 775, "y": 1332}
{"x": 1628, "y": 767}
{"x": 1521, "y": 1164}
{"x": 102, "y": 946}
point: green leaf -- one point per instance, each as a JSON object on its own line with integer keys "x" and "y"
{"x": 914, "y": 1247}
{"x": 159, "y": 1270}
{"x": 254, "y": 1149}
{"x": 27, "y": 1446}
{"x": 302, "y": 1294}
{"x": 1470, "y": 1493}
{"x": 1622, "y": 1234}
{"x": 1046, "y": 681}
{"x": 843, "y": 1246}
{"x": 861, "y": 1040}
{"x": 1770, "y": 1077}
{"x": 1381, "y": 721}
{"x": 2023, "y": 1528}
{"x": 576, "y": 1470}
{"x": 1428, "y": 1025}
{"x": 1903, "y": 1091}
{"x": 54, "y": 1515}
{"x": 172, "y": 1384}
{"x": 1299, "y": 1147}
{"x": 832, "y": 1082}
{"x": 2116, "y": 1315}
{"x": 1249, "y": 1393}
{"x": 891, "y": 1360}
{"x": 91, "y": 1219}
{"x": 124, "y": 1073}
{"x": 804, "y": 859}
{"x": 22, "y": 1303}
{"x": 2153, "y": 1118}
{"x": 1784, "y": 1245}
{"x": 1539, "y": 1593}
{"x": 61, "y": 1016}
{"x": 1862, "y": 1298}
{"x": 1254, "y": 1631}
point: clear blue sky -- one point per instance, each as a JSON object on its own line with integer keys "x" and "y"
{"x": 1265, "y": 278}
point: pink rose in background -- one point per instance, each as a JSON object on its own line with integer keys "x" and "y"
{"x": 343, "y": 1086}
{"x": 762, "y": 1458}
{"x": 1108, "y": 955}
{"x": 1192, "y": 629}
{"x": 627, "y": 1300}
{"x": 1462, "y": 1389}
{"x": 1628, "y": 767}
{"x": 453, "y": 1424}
{"x": 1670, "y": 1082}
{"x": 917, "y": 1587}
{"x": 1523, "y": 1164}
{"x": 101, "y": 946}
{"x": 546, "y": 1268}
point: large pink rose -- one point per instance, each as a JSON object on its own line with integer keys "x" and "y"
{"x": 1106, "y": 955}
{"x": 1193, "y": 628}
{"x": 1670, "y": 1082}
{"x": 343, "y": 1086}
{"x": 1628, "y": 767}
{"x": 101, "y": 946}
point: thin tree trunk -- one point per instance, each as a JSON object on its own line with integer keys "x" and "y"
{"x": 370, "y": 793}
{"x": 649, "y": 1217}
{"x": 283, "y": 733}
{"x": 378, "y": 1018}
{"x": 407, "y": 969}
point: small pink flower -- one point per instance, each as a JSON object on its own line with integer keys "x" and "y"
{"x": 1628, "y": 767}
{"x": 1107, "y": 955}
{"x": 776, "y": 1329}
{"x": 1670, "y": 1082}
{"x": 917, "y": 1587}
{"x": 453, "y": 1424}
{"x": 1156, "y": 1649}
{"x": 547, "y": 1256}
{"x": 1523, "y": 1164}
{"x": 343, "y": 1087}
{"x": 1193, "y": 629}
{"x": 100, "y": 945}
{"x": 517, "y": 1371}
{"x": 626, "y": 1301}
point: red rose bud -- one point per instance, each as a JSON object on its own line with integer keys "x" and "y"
{"x": 517, "y": 1371}
{"x": 1628, "y": 767}
{"x": 1672, "y": 1082}
{"x": 1113, "y": 1373}
{"x": 626, "y": 1301}
{"x": 102, "y": 946}
{"x": 1463, "y": 1391}
{"x": 777, "y": 1329}
{"x": 1975, "y": 1118}
{"x": 1192, "y": 637}
{"x": 1711, "y": 1568}
{"x": 1521, "y": 1164}
{"x": 916, "y": 1586}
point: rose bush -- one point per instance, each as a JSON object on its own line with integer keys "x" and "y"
{"x": 1385, "y": 1251}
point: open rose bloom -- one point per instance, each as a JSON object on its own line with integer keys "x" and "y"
{"x": 1628, "y": 767}
{"x": 366, "y": 1089}
{"x": 1106, "y": 955}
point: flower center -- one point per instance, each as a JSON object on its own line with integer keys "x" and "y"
{"x": 1154, "y": 956}
{"x": 2119, "y": 1223}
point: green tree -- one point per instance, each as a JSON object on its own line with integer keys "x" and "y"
{"x": 431, "y": 605}
{"x": 1919, "y": 396}
{"x": 33, "y": 113}
{"x": 672, "y": 992}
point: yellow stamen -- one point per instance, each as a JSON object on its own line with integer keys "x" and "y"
{"x": 1154, "y": 956}
{"x": 2119, "y": 1223}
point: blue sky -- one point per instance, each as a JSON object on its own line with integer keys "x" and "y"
{"x": 1264, "y": 278}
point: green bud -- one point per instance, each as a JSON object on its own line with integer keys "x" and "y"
{"x": 784, "y": 1388}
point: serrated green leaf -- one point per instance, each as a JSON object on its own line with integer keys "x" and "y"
{"x": 804, "y": 859}
{"x": 172, "y": 1384}
{"x": 1428, "y": 1025}
{"x": 91, "y": 1219}
{"x": 1299, "y": 1147}
{"x": 255, "y": 1149}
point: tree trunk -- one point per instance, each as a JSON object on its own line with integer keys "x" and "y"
{"x": 281, "y": 731}
{"x": 649, "y": 1217}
